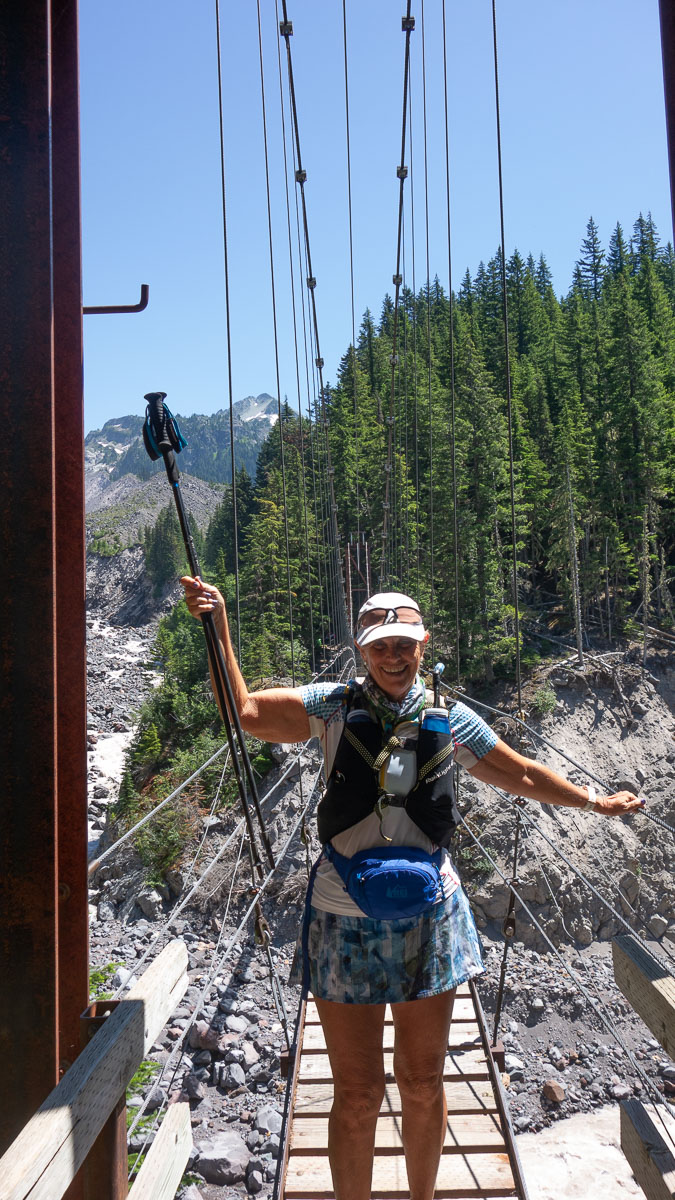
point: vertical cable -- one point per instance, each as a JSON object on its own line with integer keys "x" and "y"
{"x": 407, "y": 26}
{"x": 431, "y": 411}
{"x": 507, "y": 364}
{"x": 302, "y": 485}
{"x": 455, "y": 524}
{"x": 286, "y": 30}
{"x": 227, "y": 327}
{"x": 415, "y": 433}
{"x": 351, "y": 270}
{"x": 276, "y": 345}
{"x": 510, "y": 919}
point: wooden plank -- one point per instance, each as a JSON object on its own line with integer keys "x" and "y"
{"x": 316, "y": 1099}
{"x": 650, "y": 1159}
{"x": 462, "y": 1034}
{"x": 45, "y": 1157}
{"x": 477, "y": 1175}
{"x": 464, "y": 1064}
{"x": 163, "y": 1168}
{"x": 648, "y": 987}
{"x": 474, "y": 1134}
{"x": 462, "y": 1010}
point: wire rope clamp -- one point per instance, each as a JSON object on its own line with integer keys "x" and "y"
{"x": 286, "y": 1061}
{"x": 499, "y": 1055}
{"x": 262, "y": 931}
{"x": 509, "y": 926}
{"x": 407, "y": 24}
{"x": 319, "y": 363}
{"x": 286, "y": 28}
{"x": 301, "y": 175}
{"x": 402, "y": 172}
{"x": 397, "y": 280}
{"x": 393, "y": 359}
{"x": 311, "y": 282}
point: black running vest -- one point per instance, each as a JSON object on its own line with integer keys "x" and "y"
{"x": 353, "y": 788}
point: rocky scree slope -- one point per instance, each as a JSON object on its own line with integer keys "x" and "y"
{"x": 560, "y": 1058}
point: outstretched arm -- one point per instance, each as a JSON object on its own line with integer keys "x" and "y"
{"x": 277, "y": 715}
{"x": 506, "y": 769}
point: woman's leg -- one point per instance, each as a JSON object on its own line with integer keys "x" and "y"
{"x": 353, "y": 1035}
{"x": 421, "y": 1041}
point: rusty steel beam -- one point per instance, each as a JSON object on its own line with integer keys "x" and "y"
{"x": 667, "y": 15}
{"x": 72, "y": 928}
{"x": 42, "y": 735}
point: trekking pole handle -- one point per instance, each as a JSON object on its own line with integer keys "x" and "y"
{"x": 158, "y": 419}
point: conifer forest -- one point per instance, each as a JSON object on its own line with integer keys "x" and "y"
{"x": 592, "y": 379}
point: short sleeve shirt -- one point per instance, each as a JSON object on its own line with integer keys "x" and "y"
{"x": 326, "y": 705}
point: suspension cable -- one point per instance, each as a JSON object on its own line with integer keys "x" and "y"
{"x": 302, "y": 485}
{"x": 585, "y": 769}
{"x": 453, "y": 433}
{"x": 597, "y": 1009}
{"x": 286, "y": 31}
{"x": 432, "y": 597}
{"x": 276, "y": 343}
{"x": 407, "y": 26}
{"x": 228, "y": 333}
{"x": 507, "y": 361}
{"x": 97, "y": 862}
{"x": 351, "y": 273}
{"x": 219, "y": 961}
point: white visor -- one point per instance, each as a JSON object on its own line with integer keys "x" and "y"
{"x": 389, "y": 614}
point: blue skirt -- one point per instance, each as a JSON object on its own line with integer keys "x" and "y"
{"x": 358, "y": 960}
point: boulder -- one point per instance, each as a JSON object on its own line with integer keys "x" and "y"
{"x": 224, "y": 1158}
{"x": 657, "y": 925}
{"x": 150, "y": 903}
{"x": 553, "y": 1090}
{"x": 268, "y": 1120}
{"x": 203, "y": 1036}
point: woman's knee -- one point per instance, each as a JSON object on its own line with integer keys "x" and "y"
{"x": 357, "y": 1101}
{"x": 419, "y": 1081}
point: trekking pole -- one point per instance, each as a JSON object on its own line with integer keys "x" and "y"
{"x": 162, "y": 438}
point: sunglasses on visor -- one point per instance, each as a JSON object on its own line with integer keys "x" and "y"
{"x": 389, "y": 616}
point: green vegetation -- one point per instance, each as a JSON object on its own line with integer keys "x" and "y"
{"x": 99, "y": 978}
{"x": 543, "y": 701}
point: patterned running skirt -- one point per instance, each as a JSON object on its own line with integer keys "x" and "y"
{"x": 358, "y": 960}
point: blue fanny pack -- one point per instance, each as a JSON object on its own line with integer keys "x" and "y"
{"x": 391, "y": 881}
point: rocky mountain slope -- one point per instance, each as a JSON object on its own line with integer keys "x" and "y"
{"x": 117, "y": 450}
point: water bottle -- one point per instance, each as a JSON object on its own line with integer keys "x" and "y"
{"x": 436, "y": 720}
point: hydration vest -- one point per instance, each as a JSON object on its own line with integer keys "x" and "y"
{"x": 354, "y": 791}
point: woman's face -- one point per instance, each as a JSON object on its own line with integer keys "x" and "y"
{"x": 393, "y": 663}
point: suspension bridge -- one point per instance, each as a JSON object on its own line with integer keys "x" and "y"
{"x": 57, "y": 1127}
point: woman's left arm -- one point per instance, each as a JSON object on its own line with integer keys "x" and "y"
{"x": 506, "y": 769}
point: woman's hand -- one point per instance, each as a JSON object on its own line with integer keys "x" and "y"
{"x": 618, "y": 805}
{"x": 202, "y": 597}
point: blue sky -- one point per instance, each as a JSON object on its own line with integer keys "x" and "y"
{"x": 583, "y": 133}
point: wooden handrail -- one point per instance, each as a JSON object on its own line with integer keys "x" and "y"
{"x": 162, "y": 1170}
{"x": 44, "y": 1159}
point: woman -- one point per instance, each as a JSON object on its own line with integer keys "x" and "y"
{"x": 358, "y": 962}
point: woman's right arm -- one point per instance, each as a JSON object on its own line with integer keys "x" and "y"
{"x": 277, "y": 715}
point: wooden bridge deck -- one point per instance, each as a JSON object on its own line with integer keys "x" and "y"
{"x": 478, "y": 1160}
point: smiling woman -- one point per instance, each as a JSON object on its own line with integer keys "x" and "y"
{"x": 391, "y": 637}
{"x": 386, "y": 919}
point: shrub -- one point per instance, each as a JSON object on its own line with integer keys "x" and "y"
{"x": 543, "y": 702}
